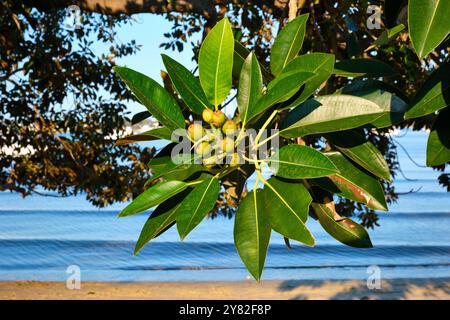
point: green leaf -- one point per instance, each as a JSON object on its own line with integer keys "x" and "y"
{"x": 355, "y": 146}
{"x": 342, "y": 229}
{"x": 353, "y": 184}
{"x": 250, "y": 86}
{"x": 161, "y": 219}
{"x": 215, "y": 62}
{"x": 300, "y": 162}
{"x": 252, "y": 233}
{"x": 280, "y": 90}
{"x": 163, "y": 165}
{"x": 153, "y": 196}
{"x": 393, "y": 107}
{"x": 152, "y": 95}
{"x": 428, "y": 24}
{"x": 321, "y": 64}
{"x": 328, "y": 114}
{"x": 434, "y": 94}
{"x": 287, "y": 204}
{"x": 369, "y": 68}
{"x": 386, "y": 36}
{"x": 187, "y": 85}
{"x": 288, "y": 43}
{"x": 240, "y": 54}
{"x": 363, "y": 85}
{"x": 150, "y": 135}
{"x": 438, "y": 147}
{"x": 197, "y": 205}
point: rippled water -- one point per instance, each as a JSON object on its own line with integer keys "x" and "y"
{"x": 41, "y": 237}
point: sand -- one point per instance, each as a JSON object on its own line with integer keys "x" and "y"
{"x": 314, "y": 289}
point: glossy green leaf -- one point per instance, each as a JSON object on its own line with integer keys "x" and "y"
{"x": 153, "y": 96}
{"x": 288, "y": 43}
{"x": 300, "y": 162}
{"x": 252, "y": 233}
{"x": 369, "y": 68}
{"x": 250, "y": 86}
{"x": 363, "y": 85}
{"x": 150, "y": 135}
{"x": 215, "y": 62}
{"x": 428, "y": 24}
{"x": 438, "y": 147}
{"x": 197, "y": 205}
{"x": 329, "y": 114}
{"x": 353, "y": 184}
{"x": 321, "y": 64}
{"x": 434, "y": 94}
{"x": 280, "y": 90}
{"x": 153, "y": 196}
{"x": 187, "y": 85}
{"x": 355, "y": 146}
{"x": 342, "y": 229}
{"x": 161, "y": 219}
{"x": 240, "y": 54}
{"x": 393, "y": 107}
{"x": 287, "y": 204}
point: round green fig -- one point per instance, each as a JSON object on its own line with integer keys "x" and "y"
{"x": 207, "y": 115}
{"x": 203, "y": 149}
{"x": 229, "y": 127}
{"x": 218, "y": 118}
{"x": 195, "y": 131}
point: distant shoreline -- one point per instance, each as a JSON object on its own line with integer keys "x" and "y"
{"x": 410, "y": 289}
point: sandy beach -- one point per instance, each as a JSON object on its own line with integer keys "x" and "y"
{"x": 410, "y": 289}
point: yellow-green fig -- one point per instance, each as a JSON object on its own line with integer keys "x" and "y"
{"x": 203, "y": 149}
{"x": 207, "y": 115}
{"x": 218, "y": 118}
{"x": 229, "y": 127}
{"x": 195, "y": 131}
{"x": 210, "y": 162}
{"x": 228, "y": 145}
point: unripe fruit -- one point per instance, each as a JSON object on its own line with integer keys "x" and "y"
{"x": 218, "y": 118}
{"x": 203, "y": 149}
{"x": 207, "y": 115}
{"x": 195, "y": 131}
{"x": 228, "y": 145}
{"x": 210, "y": 162}
{"x": 234, "y": 160}
{"x": 229, "y": 127}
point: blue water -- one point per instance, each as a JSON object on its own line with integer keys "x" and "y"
{"x": 40, "y": 237}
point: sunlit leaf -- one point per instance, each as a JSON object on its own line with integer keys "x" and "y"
{"x": 438, "y": 147}
{"x": 428, "y": 24}
{"x": 329, "y": 114}
{"x": 300, "y": 162}
{"x": 355, "y": 146}
{"x": 342, "y": 229}
{"x": 153, "y": 196}
{"x": 252, "y": 232}
{"x": 197, "y": 205}
{"x": 152, "y": 95}
{"x": 187, "y": 85}
{"x": 250, "y": 86}
{"x": 353, "y": 184}
{"x": 287, "y": 204}
{"x": 215, "y": 62}
{"x": 288, "y": 43}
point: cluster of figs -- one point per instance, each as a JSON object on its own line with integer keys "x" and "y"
{"x": 217, "y": 141}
